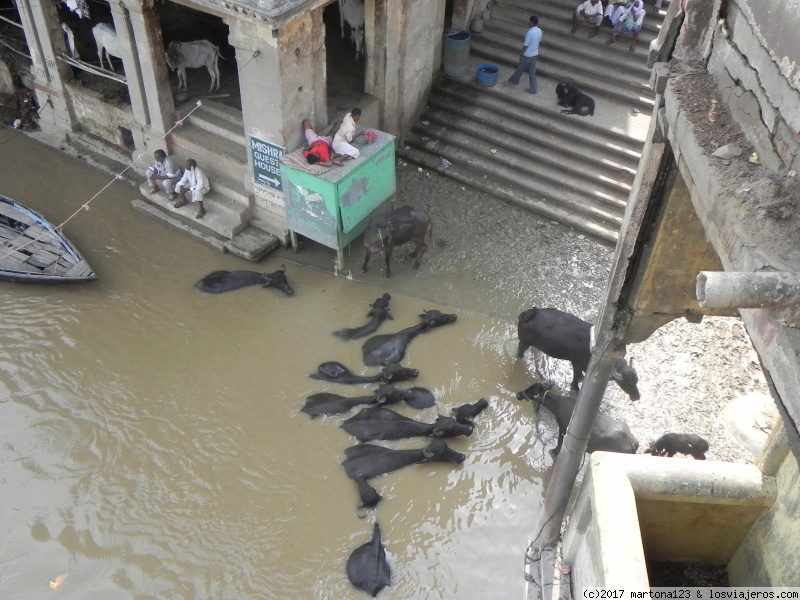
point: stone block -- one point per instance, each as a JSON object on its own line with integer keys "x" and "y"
{"x": 746, "y": 110}
{"x": 694, "y": 40}
{"x": 659, "y": 77}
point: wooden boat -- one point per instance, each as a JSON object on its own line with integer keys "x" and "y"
{"x": 32, "y": 250}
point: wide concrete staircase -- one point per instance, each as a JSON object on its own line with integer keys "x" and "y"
{"x": 213, "y": 135}
{"x": 518, "y": 146}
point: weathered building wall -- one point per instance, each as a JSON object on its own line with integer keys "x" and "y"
{"x": 100, "y": 118}
{"x": 421, "y": 56}
{"x": 755, "y": 60}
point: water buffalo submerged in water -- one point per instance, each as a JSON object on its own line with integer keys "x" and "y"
{"x": 366, "y": 461}
{"x": 326, "y": 403}
{"x": 565, "y": 336}
{"x": 391, "y": 348}
{"x": 226, "y": 281}
{"x": 467, "y": 412}
{"x": 607, "y": 434}
{"x": 670, "y": 444}
{"x": 393, "y": 228}
{"x": 377, "y": 423}
{"x": 336, "y": 372}
{"x": 378, "y": 310}
{"x": 367, "y": 567}
{"x": 415, "y": 397}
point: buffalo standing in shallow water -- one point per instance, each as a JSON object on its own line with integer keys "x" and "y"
{"x": 607, "y": 434}
{"x": 393, "y": 228}
{"x": 565, "y": 336}
{"x": 226, "y": 281}
{"x": 391, "y": 348}
{"x": 378, "y": 310}
{"x": 367, "y": 567}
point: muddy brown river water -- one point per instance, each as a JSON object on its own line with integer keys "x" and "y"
{"x": 152, "y": 443}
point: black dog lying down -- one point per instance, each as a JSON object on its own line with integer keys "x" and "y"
{"x": 574, "y": 99}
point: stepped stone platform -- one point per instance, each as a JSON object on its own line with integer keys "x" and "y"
{"x": 519, "y": 146}
{"x": 213, "y": 135}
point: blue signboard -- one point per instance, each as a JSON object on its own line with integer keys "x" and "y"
{"x": 266, "y": 163}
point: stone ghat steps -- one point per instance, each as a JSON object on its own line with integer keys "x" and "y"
{"x": 521, "y": 149}
{"x": 518, "y": 146}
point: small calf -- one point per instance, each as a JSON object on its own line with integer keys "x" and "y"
{"x": 686, "y": 443}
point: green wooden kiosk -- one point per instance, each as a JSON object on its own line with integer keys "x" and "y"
{"x": 333, "y": 208}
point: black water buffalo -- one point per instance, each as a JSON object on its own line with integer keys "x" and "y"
{"x": 393, "y": 228}
{"x": 336, "y": 372}
{"x": 377, "y": 423}
{"x": 366, "y": 461}
{"x": 326, "y": 403}
{"x": 467, "y": 412}
{"x": 670, "y": 444}
{"x": 607, "y": 434}
{"x": 226, "y": 281}
{"x": 565, "y": 336}
{"x": 378, "y": 310}
{"x": 416, "y": 397}
{"x": 367, "y": 567}
{"x": 391, "y": 348}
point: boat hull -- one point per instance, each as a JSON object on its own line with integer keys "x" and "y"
{"x": 33, "y": 251}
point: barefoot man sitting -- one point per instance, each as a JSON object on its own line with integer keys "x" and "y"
{"x": 163, "y": 171}
{"x": 194, "y": 181}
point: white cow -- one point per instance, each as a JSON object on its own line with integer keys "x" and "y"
{"x": 193, "y": 55}
{"x": 106, "y": 39}
{"x": 352, "y": 11}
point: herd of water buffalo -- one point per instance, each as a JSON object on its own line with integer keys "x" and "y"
{"x": 549, "y": 330}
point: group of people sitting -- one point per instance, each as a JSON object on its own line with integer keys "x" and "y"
{"x": 325, "y": 150}
{"x": 165, "y": 172}
{"x": 622, "y": 16}
{"x": 322, "y": 150}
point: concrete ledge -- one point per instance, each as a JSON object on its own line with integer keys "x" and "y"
{"x": 152, "y": 211}
{"x": 634, "y": 507}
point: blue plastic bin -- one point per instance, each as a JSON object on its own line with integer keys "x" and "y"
{"x": 487, "y": 75}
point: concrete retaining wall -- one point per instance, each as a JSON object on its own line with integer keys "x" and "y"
{"x": 634, "y": 508}
{"x": 100, "y": 118}
{"x": 768, "y": 555}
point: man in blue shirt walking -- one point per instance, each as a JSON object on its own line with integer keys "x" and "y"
{"x": 530, "y": 52}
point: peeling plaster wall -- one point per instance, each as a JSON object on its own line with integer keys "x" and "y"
{"x": 426, "y": 20}
{"x": 759, "y": 78}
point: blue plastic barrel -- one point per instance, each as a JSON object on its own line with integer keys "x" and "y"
{"x": 456, "y": 53}
{"x": 487, "y": 75}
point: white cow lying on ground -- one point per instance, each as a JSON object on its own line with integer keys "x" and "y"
{"x": 352, "y": 12}
{"x": 192, "y": 55}
{"x": 106, "y": 39}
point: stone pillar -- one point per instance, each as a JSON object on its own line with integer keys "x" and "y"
{"x": 133, "y": 73}
{"x": 45, "y": 42}
{"x": 282, "y": 81}
{"x": 384, "y": 63}
{"x": 153, "y": 75}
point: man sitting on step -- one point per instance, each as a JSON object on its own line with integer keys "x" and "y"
{"x": 194, "y": 181}
{"x": 590, "y": 11}
{"x": 319, "y": 151}
{"x": 163, "y": 171}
